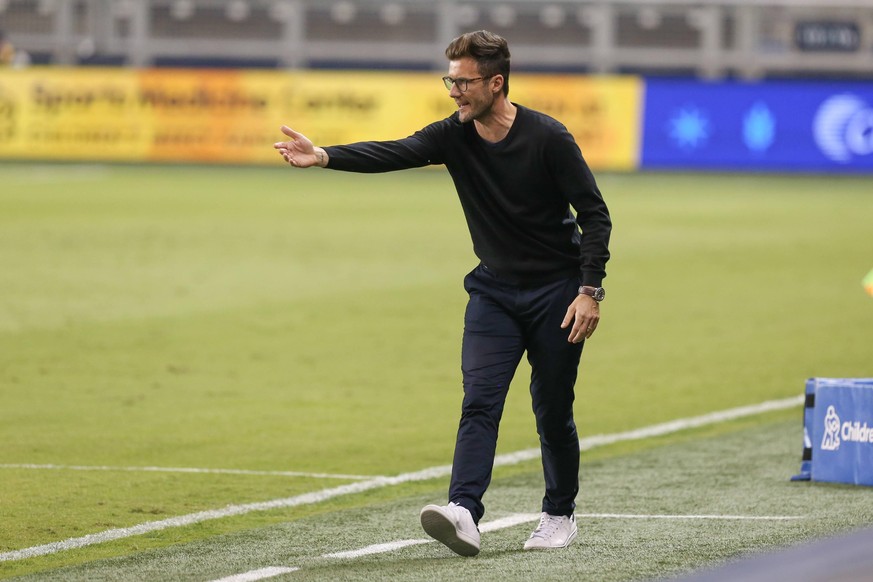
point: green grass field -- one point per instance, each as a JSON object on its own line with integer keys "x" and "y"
{"x": 305, "y": 326}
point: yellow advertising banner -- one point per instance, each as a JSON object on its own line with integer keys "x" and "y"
{"x": 604, "y": 114}
{"x": 233, "y": 116}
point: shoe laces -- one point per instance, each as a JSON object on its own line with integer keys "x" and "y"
{"x": 548, "y": 526}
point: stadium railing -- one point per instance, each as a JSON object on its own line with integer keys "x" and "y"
{"x": 747, "y": 39}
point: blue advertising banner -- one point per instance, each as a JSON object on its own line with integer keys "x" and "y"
{"x": 842, "y": 434}
{"x": 838, "y": 431}
{"x": 772, "y": 125}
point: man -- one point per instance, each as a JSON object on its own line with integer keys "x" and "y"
{"x": 538, "y": 286}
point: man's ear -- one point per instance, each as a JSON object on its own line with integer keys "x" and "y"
{"x": 497, "y": 84}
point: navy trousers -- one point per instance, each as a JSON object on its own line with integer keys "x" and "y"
{"x": 501, "y": 323}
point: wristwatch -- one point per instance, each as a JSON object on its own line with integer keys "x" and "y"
{"x": 597, "y": 293}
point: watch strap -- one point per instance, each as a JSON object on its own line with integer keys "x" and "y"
{"x": 596, "y": 293}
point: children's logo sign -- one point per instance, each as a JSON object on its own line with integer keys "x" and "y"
{"x": 831, "y": 440}
{"x": 838, "y": 431}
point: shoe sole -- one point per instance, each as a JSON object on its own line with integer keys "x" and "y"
{"x": 567, "y": 543}
{"x": 438, "y": 526}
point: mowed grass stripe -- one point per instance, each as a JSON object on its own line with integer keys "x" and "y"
{"x": 379, "y": 482}
{"x": 195, "y": 470}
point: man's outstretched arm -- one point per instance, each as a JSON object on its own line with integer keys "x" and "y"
{"x": 424, "y": 147}
{"x": 299, "y": 151}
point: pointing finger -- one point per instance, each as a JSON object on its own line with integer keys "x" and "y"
{"x": 290, "y": 132}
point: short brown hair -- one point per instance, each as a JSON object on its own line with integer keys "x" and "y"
{"x": 489, "y": 50}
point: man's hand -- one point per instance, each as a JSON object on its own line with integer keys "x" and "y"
{"x": 299, "y": 151}
{"x": 584, "y": 314}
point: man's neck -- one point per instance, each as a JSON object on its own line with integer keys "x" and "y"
{"x": 495, "y": 126}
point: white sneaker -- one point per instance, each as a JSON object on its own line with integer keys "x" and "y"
{"x": 452, "y": 525}
{"x": 554, "y": 531}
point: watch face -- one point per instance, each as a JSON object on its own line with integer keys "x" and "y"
{"x": 599, "y": 293}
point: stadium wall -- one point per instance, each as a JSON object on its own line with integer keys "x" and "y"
{"x": 622, "y": 123}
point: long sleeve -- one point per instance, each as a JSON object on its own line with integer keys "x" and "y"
{"x": 415, "y": 151}
{"x": 576, "y": 182}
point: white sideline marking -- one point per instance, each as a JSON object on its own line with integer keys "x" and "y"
{"x": 379, "y": 482}
{"x": 258, "y": 574}
{"x": 704, "y": 517}
{"x": 662, "y": 429}
{"x": 509, "y": 521}
{"x": 497, "y": 524}
{"x": 520, "y": 518}
{"x": 377, "y": 549}
{"x": 189, "y": 470}
{"x": 228, "y": 511}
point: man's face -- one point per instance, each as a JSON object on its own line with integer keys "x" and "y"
{"x": 476, "y": 101}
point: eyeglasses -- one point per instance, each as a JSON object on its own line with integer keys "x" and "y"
{"x": 461, "y": 84}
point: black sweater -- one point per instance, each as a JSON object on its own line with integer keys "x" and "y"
{"x": 516, "y": 193}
